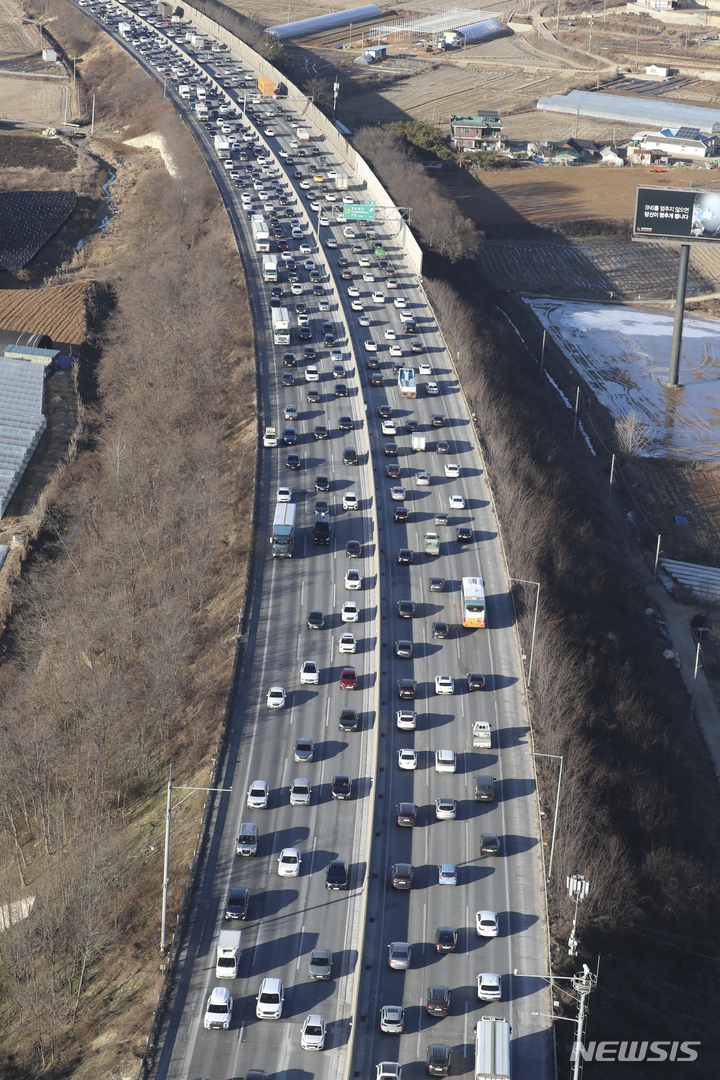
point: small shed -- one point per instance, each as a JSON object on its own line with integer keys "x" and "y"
{"x": 49, "y": 56}
{"x": 375, "y": 53}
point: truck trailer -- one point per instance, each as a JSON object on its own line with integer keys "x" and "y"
{"x": 283, "y": 532}
{"x": 125, "y": 29}
{"x": 492, "y": 1049}
{"x": 432, "y": 543}
{"x": 270, "y": 266}
{"x": 281, "y": 326}
{"x": 222, "y": 146}
{"x": 228, "y": 954}
{"x": 265, "y": 86}
{"x": 261, "y": 233}
{"x": 341, "y": 182}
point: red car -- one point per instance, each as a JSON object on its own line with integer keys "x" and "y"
{"x": 348, "y": 679}
{"x": 401, "y": 513}
{"x": 393, "y": 471}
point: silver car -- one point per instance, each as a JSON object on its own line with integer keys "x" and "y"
{"x": 300, "y": 792}
{"x": 445, "y": 809}
{"x": 399, "y": 955}
{"x": 392, "y": 1019}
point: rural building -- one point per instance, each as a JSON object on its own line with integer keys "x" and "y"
{"x": 470, "y": 35}
{"x": 648, "y": 111}
{"x": 577, "y": 150}
{"x": 680, "y": 144}
{"x": 480, "y": 132}
{"x": 331, "y": 21}
{"x": 655, "y": 5}
{"x": 613, "y": 155}
{"x": 23, "y": 369}
{"x": 374, "y": 53}
{"x": 657, "y": 71}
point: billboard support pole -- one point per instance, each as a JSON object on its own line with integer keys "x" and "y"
{"x": 679, "y": 313}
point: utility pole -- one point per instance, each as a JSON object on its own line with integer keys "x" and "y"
{"x": 637, "y": 45}
{"x": 92, "y": 124}
{"x": 578, "y": 889}
{"x": 612, "y": 481}
{"x": 591, "y": 26}
{"x": 577, "y": 402}
{"x": 657, "y": 556}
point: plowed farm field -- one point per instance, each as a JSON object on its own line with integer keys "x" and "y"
{"x": 58, "y": 311}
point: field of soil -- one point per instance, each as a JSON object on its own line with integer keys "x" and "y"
{"x": 58, "y": 311}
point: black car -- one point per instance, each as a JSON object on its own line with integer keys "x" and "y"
{"x": 319, "y": 966}
{"x": 309, "y": 352}
{"x": 464, "y": 535}
{"x": 276, "y": 290}
{"x": 446, "y": 939}
{"x": 373, "y": 364}
{"x": 289, "y": 436}
{"x": 438, "y": 1060}
{"x": 411, "y": 426}
{"x": 322, "y": 483}
{"x": 341, "y": 389}
{"x": 437, "y": 584}
{"x": 475, "y": 681}
{"x": 437, "y": 1001}
{"x": 321, "y": 533}
{"x": 392, "y": 470}
{"x": 440, "y": 629}
{"x": 384, "y": 412}
{"x": 401, "y": 875}
{"x": 348, "y": 720}
{"x": 328, "y": 328}
{"x": 315, "y": 620}
{"x": 238, "y": 902}
{"x": 489, "y": 844}
{"x": 406, "y": 609}
{"x": 404, "y": 556}
{"x": 345, "y": 423}
{"x": 437, "y": 420}
{"x": 406, "y": 814}
{"x": 297, "y": 175}
{"x": 390, "y": 449}
{"x": 275, "y": 302}
{"x": 321, "y": 507}
{"x": 320, "y": 432}
{"x": 443, "y": 447}
{"x": 293, "y": 461}
{"x": 342, "y": 261}
{"x": 404, "y": 649}
{"x": 336, "y": 875}
{"x": 341, "y": 787}
{"x": 287, "y": 379}
{"x": 401, "y": 513}
{"x": 313, "y": 395}
{"x": 353, "y": 549}
{"x": 289, "y": 360}
{"x": 406, "y": 689}
{"x": 305, "y": 333}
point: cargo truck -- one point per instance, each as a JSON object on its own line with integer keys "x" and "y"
{"x": 265, "y": 86}
{"x": 492, "y": 1049}
{"x": 184, "y": 92}
{"x": 283, "y": 532}
{"x": 303, "y": 134}
{"x": 482, "y": 735}
{"x": 418, "y": 443}
{"x": 125, "y": 29}
{"x": 407, "y": 382}
{"x": 432, "y": 543}
{"x": 165, "y": 9}
{"x": 270, "y": 267}
{"x": 341, "y": 182}
{"x": 281, "y": 326}
{"x": 261, "y": 234}
{"x": 201, "y": 110}
{"x": 222, "y": 146}
{"x": 270, "y": 437}
{"x": 228, "y": 954}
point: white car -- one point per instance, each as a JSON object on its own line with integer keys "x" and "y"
{"x": 370, "y": 346}
{"x": 379, "y": 298}
{"x": 445, "y": 809}
{"x": 390, "y": 335}
{"x": 447, "y": 874}
{"x": 349, "y": 611}
{"x": 444, "y": 684}
{"x": 363, "y": 261}
{"x": 350, "y": 501}
{"x": 305, "y": 250}
{"x": 425, "y": 369}
{"x": 432, "y": 389}
{"x": 258, "y": 795}
{"x": 397, "y": 494}
{"x": 313, "y": 1033}
{"x": 312, "y": 374}
{"x": 407, "y": 759}
{"x": 368, "y": 277}
{"x": 389, "y": 427}
{"x": 406, "y": 719}
{"x": 269, "y": 131}
{"x": 453, "y": 471}
{"x": 289, "y": 861}
{"x": 300, "y": 792}
{"x": 353, "y": 580}
{"x": 486, "y": 924}
{"x": 348, "y": 644}
{"x": 400, "y": 301}
{"x": 457, "y": 502}
{"x": 489, "y": 986}
{"x": 264, "y": 196}
{"x": 353, "y": 290}
{"x": 276, "y": 697}
{"x": 322, "y": 220}
{"x": 314, "y": 205}
{"x": 303, "y": 320}
{"x": 296, "y": 232}
{"x": 296, "y": 288}
{"x": 407, "y": 317}
{"x": 304, "y": 184}
{"x": 357, "y": 305}
{"x": 284, "y": 494}
{"x": 388, "y": 1070}
{"x": 445, "y": 761}
{"x": 309, "y": 674}
{"x": 423, "y": 479}
{"x": 395, "y": 350}
{"x": 218, "y": 1012}
{"x": 364, "y": 320}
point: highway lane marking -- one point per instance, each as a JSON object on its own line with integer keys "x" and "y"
{"x": 302, "y": 933}
{"x": 465, "y": 1032}
{"x": 327, "y": 712}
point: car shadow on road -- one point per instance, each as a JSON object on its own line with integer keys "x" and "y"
{"x": 499, "y": 682}
{"x": 514, "y": 922}
{"x": 514, "y": 736}
{"x": 505, "y": 790}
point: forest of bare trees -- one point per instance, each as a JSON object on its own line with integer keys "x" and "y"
{"x": 118, "y": 653}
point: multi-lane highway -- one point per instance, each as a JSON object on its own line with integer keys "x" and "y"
{"x": 291, "y": 916}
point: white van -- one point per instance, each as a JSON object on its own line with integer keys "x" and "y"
{"x": 247, "y": 841}
{"x": 270, "y": 1000}
{"x": 349, "y": 233}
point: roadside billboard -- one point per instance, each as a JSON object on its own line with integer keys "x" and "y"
{"x": 682, "y": 215}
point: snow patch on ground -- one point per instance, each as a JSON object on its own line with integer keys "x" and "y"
{"x": 624, "y": 356}
{"x": 154, "y": 141}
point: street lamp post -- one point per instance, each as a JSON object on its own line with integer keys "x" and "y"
{"x": 559, "y": 757}
{"x": 578, "y": 889}
{"x": 583, "y": 983}
{"x": 522, "y": 581}
{"x": 166, "y": 860}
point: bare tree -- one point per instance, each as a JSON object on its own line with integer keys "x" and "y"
{"x": 632, "y": 434}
